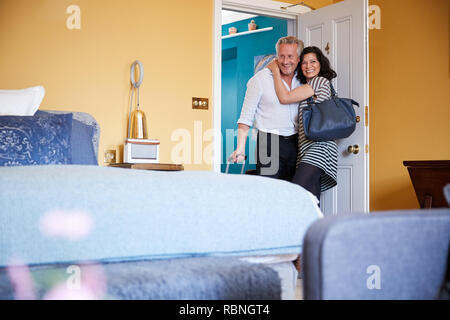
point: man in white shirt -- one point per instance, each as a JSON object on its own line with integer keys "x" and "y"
{"x": 277, "y": 124}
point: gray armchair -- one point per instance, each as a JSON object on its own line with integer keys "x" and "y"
{"x": 386, "y": 255}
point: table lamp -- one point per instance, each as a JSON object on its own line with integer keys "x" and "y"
{"x": 137, "y": 122}
{"x": 138, "y": 148}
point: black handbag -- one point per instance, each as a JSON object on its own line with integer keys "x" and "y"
{"x": 329, "y": 120}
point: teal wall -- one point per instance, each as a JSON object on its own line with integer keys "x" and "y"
{"x": 237, "y": 68}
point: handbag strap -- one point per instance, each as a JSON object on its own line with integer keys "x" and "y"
{"x": 333, "y": 92}
{"x": 334, "y": 95}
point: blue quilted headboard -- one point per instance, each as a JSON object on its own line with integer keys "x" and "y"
{"x": 49, "y": 137}
{"x": 87, "y": 119}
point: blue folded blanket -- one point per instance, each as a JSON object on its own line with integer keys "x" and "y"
{"x": 209, "y": 278}
{"x": 138, "y": 214}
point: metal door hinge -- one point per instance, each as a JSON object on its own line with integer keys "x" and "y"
{"x": 366, "y": 116}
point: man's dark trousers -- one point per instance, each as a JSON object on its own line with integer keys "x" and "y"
{"x": 276, "y": 155}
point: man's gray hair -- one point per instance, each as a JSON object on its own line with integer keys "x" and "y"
{"x": 290, "y": 40}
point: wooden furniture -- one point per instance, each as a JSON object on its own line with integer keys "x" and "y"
{"x": 149, "y": 166}
{"x": 429, "y": 179}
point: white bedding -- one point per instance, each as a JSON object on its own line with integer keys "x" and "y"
{"x": 271, "y": 259}
{"x": 284, "y": 266}
{"x": 24, "y": 102}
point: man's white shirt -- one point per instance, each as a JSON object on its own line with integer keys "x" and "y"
{"x": 263, "y": 110}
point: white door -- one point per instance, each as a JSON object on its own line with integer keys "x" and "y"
{"x": 341, "y": 32}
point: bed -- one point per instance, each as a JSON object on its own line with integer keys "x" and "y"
{"x": 147, "y": 234}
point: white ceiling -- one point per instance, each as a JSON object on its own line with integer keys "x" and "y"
{"x": 233, "y": 16}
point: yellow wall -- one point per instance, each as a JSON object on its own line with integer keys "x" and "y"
{"x": 409, "y": 96}
{"x": 88, "y": 69}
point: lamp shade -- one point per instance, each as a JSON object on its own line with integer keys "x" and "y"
{"x": 138, "y": 124}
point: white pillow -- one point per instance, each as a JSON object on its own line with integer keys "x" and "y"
{"x": 23, "y": 102}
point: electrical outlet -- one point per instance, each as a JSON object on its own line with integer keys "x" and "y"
{"x": 110, "y": 156}
{"x": 200, "y": 103}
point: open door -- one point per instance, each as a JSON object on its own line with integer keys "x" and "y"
{"x": 341, "y": 32}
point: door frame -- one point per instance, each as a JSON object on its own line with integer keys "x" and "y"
{"x": 257, "y": 6}
{"x": 261, "y": 7}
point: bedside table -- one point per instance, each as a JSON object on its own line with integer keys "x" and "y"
{"x": 149, "y": 166}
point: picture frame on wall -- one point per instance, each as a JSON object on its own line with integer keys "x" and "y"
{"x": 260, "y": 62}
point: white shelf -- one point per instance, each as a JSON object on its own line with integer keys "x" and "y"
{"x": 246, "y": 32}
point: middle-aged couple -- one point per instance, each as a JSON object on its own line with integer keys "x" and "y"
{"x": 273, "y": 104}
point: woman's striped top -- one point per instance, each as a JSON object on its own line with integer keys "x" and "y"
{"x": 320, "y": 154}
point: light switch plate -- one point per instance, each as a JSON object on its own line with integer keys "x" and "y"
{"x": 200, "y": 103}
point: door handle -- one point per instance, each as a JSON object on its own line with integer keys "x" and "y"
{"x": 353, "y": 149}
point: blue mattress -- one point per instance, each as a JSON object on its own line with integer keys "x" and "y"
{"x": 138, "y": 214}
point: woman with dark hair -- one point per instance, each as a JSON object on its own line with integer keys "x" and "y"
{"x": 316, "y": 161}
